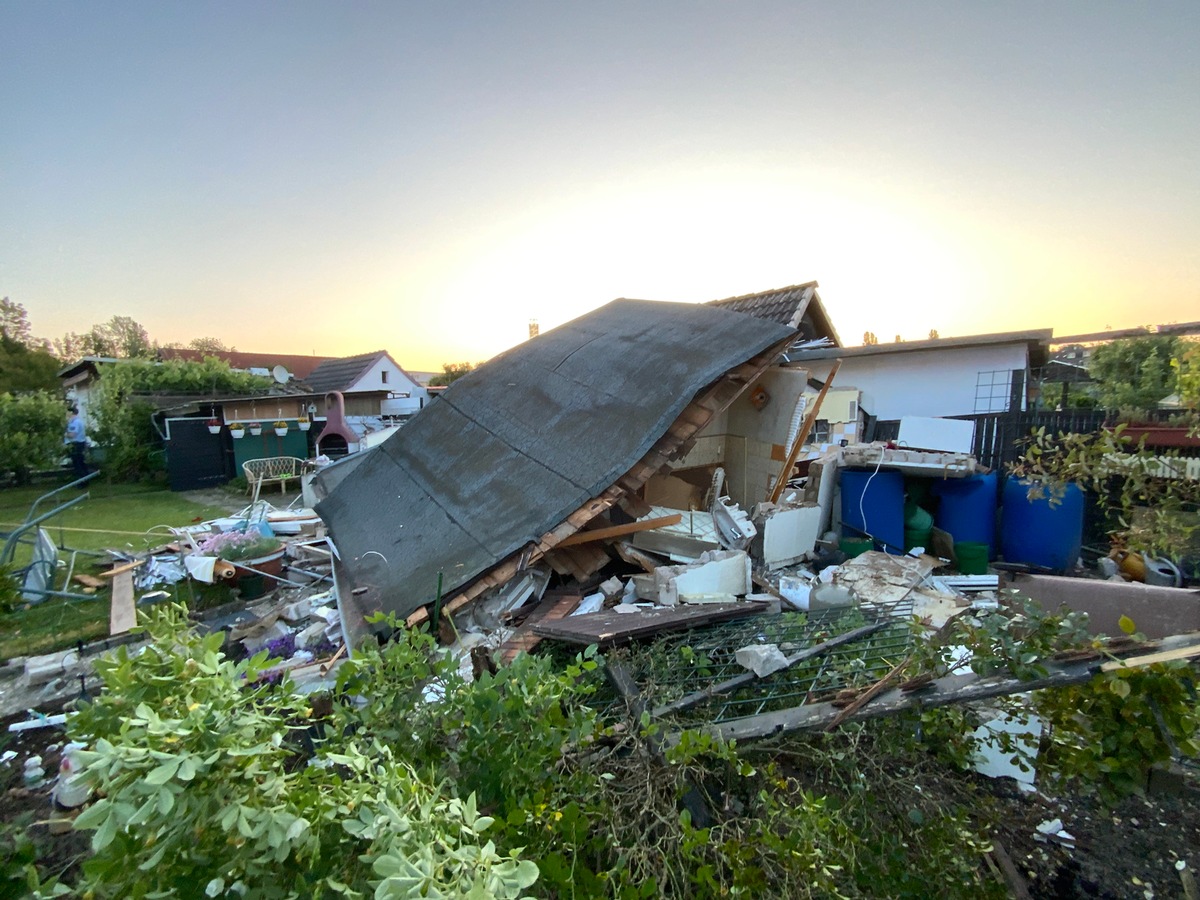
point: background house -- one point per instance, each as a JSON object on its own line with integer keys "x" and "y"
{"x": 954, "y": 376}
{"x": 373, "y": 384}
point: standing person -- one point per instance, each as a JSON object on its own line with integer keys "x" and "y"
{"x": 76, "y": 439}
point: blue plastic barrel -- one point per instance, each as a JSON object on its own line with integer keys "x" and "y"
{"x": 873, "y": 506}
{"x": 1035, "y": 533}
{"x": 967, "y": 509}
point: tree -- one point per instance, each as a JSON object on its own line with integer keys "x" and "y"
{"x": 1135, "y": 373}
{"x": 128, "y": 338}
{"x": 25, "y": 362}
{"x": 14, "y": 322}
{"x": 119, "y": 337}
{"x": 869, "y": 339}
{"x": 451, "y": 372}
{"x": 933, "y": 334}
{"x": 209, "y": 345}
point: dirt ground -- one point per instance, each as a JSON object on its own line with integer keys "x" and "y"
{"x": 1129, "y": 851}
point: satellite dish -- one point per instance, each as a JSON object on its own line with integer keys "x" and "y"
{"x": 281, "y": 374}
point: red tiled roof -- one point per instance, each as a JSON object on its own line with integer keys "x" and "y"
{"x": 300, "y": 366}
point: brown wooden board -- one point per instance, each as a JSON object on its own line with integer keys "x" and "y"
{"x": 553, "y": 605}
{"x": 607, "y": 628}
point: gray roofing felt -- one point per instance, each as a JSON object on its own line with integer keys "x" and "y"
{"x": 509, "y": 451}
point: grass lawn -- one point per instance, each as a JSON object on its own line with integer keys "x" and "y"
{"x": 129, "y": 517}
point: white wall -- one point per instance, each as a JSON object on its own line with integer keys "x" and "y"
{"x": 935, "y": 382}
{"x": 397, "y": 382}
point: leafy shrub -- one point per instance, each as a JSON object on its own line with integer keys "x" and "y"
{"x": 124, "y": 409}
{"x": 207, "y": 787}
{"x": 31, "y": 433}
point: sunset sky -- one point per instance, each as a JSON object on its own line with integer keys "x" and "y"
{"x": 341, "y": 177}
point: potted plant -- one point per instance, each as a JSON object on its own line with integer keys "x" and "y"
{"x": 304, "y": 424}
{"x": 237, "y": 430}
{"x": 248, "y": 550}
{"x": 281, "y": 428}
{"x": 214, "y": 425}
{"x": 255, "y": 428}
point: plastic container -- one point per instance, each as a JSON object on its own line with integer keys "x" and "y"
{"x": 873, "y": 505}
{"x": 967, "y": 509}
{"x": 252, "y": 586}
{"x": 918, "y": 524}
{"x": 1036, "y": 533}
{"x": 972, "y": 557}
{"x": 853, "y": 547}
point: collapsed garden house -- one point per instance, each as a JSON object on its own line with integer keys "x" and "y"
{"x": 555, "y": 458}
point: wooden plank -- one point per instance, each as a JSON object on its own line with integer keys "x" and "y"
{"x": 117, "y": 570}
{"x": 608, "y": 628}
{"x": 90, "y": 580}
{"x": 553, "y": 605}
{"x": 786, "y": 472}
{"x": 1150, "y": 659}
{"x": 603, "y": 534}
{"x": 122, "y": 613}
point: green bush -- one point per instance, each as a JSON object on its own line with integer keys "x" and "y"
{"x": 207, "y": 786}
{"x": 31, "y": 433}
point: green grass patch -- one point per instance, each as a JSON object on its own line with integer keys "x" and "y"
{"x": 127, "y": 517}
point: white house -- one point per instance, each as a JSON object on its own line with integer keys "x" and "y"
{"x": 373, "y": 384}
{"x": 954, "y": 376}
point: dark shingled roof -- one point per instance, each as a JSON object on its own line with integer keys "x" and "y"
{"x": 340, "y": 374}
{"x": 797, "y": 306}
{"x": 512, "y": 449}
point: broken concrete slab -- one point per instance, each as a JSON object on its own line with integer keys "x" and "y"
{"x": 883, "y": 579}
{"x": 717, "y": 576}
{"x": 530, "y": 446}
{"x": 761, "y": 659}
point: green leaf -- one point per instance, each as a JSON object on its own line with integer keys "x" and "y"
{"x": 163, "y": 773}
{"x": 1120, "y": 687}
{"x": 1126, "y": 625}
{"x": 187, "y": 769}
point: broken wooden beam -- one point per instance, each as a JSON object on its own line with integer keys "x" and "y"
{"x": 603, "y": 534}
{"x": 608, "y": 628}
{"x": 940, "y": 692}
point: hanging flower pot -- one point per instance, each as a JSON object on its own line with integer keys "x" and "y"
{"x": 281, "y": 428}
{"x": 304, "y": 424}
{"x": 255, "y": 428}
{"x": 214, "y": 426}
{"x": 236, "y": 431}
